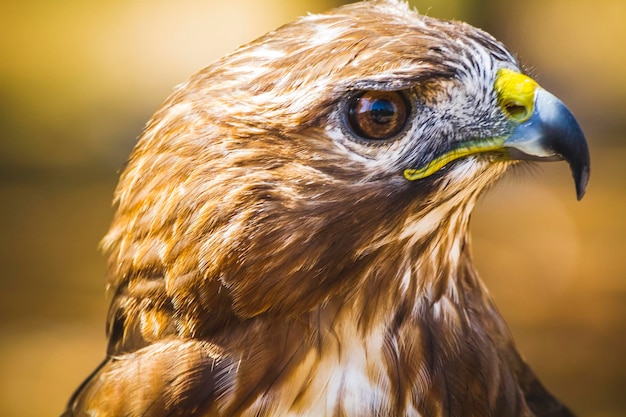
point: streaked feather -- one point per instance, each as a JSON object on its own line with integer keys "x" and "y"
{"x": 261, "y": 264}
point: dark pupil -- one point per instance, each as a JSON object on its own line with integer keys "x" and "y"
{"x": 377, "y": 115}
{"x": 382, "y": 111}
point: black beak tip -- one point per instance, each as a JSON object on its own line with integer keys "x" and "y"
{"x": 575, "y": 151}
{"x": 581, "y": 177}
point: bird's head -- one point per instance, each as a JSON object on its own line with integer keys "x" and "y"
{"x": 328, "y": 151}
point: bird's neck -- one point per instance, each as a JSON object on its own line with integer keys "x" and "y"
{"x": 433, "y": 338}
{"x": 432, "y": 268}
{"x": 424, "y": 341}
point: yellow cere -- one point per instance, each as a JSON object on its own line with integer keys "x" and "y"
{"x": 516, "y": 96}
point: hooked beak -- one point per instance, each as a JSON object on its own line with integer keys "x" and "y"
{"x": 545, "y": 130}
{"x": 548, "y": 131}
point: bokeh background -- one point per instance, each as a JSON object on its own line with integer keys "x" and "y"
{"x": 79, "y": 79}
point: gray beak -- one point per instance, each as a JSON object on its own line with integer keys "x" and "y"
{"x": 552, "y": 134}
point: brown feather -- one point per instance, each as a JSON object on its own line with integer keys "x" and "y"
{"x": 259, "y": 267}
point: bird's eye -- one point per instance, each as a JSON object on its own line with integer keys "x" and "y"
{"x": 378, "y": 115}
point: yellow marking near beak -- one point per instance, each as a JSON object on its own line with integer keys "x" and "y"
{"x": 516, "y": 94}
{"x": 516, "y": 97}
{"x": 471, "y": 148}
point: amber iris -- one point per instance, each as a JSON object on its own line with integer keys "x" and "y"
{"x": 378, "y": 115}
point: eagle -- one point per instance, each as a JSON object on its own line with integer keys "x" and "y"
{"x": 291, "y": 235}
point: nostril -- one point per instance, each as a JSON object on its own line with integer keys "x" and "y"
{"x": 516, "y": 94}
{"x": 516, "y": 111}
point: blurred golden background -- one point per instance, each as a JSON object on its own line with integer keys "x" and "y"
{"x": 79, "y": 79}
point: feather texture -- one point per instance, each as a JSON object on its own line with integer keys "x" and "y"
{"x": 265, "y": 262}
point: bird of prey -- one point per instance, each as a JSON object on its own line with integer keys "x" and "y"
{"x": 291, "y": 234}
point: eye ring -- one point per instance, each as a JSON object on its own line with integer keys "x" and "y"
{"x": 377, "y": 115}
